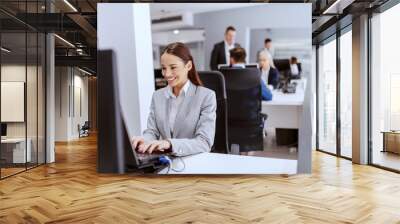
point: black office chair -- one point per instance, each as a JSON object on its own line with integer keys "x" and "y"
{"x": 159, "y": 81}
{"x": 215, "y": 80}
{"x": 245, "y": 120}
{"x": 84, "y": 129}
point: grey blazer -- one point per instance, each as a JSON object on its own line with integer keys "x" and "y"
{"x": 194, "y": 128}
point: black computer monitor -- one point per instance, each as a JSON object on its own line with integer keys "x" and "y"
{"x": 158, "y": 73}
{"x": 3, "y": 129}
{"x": 282, "y": 65}
{"x": 159, "y": 81}
{"x": 114, "y": 148}
{"x": 252, "y": 65}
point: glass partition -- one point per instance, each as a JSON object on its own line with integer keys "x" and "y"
{"x": 14, "y": 154}
{"x": 346, "y": 94}
{"x": 327, "y": 97}
{"x": 385, "y": 89}
{"x": 22, "y": 88}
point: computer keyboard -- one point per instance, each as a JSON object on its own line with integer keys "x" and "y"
{"x": 146, "y": 157}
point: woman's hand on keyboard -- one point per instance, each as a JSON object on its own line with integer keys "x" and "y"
{"x": 152, "y": 146}
{"x": 136, "y": 141}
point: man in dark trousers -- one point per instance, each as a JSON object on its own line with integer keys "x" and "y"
{"x": 220, "y": 52}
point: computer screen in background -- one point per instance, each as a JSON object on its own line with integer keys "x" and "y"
{"x": 160, "y": 82}
{"x": 3, "y": 130}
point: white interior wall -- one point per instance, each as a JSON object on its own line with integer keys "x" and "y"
{"x": 67, "y": 114}
{"x": 131, "y": 40}
{"x": 12, "y": 73}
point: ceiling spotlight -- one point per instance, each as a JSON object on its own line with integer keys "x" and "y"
{"x": 176, "y": 31}
{"x": 5, "y": 50}
{"x": 70, "y": 5}
{"x": 84, "y": 71}
{"x": 65, "y": 41}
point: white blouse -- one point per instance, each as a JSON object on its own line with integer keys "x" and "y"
{"x": 175, "y": 103}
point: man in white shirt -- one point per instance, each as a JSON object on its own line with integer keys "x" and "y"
{"x": 220, "y": 52}
{"x": 269, "y": 50}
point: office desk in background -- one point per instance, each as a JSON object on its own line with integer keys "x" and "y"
{"x": 217, "y": 163}
{"x": 285, "y": 110}
{"x": 13, "y": 150}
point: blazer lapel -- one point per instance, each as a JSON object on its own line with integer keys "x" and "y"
{"x": 223, "y": 53}
{"x": 183, "y": 109}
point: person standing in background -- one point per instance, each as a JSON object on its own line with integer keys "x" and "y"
{"x": 220, "y": 52}
{"x": 269, "y": 48}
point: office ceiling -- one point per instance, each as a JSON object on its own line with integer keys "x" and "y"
{"x": 79, "y": 27}
{"x": 158, "y": 9}
{"x": 331, "y": 15}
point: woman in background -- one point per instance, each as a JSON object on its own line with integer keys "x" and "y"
{"x": 269, "y": 74}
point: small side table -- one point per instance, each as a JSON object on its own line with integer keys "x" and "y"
{"x": 391, "y": 141}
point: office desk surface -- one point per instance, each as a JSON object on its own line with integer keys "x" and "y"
{"x": 286, "y": 99}
{"x": 285, "y": 110}
{"x": 14, "y": 140}
{"x": 216, "y": 163}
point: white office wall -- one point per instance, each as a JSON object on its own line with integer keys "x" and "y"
{"x": 260, "y": 16}
{"x": 12, "y": 101}
{"x": 194, "y": 39}
{"x": 71, "y": 102}
{"x": 163, "y": 38}
{"x": 16, "y": 73}
{"x": 61, "y": 103}
{"x": 126, "y": 29}
{"x": 80, "y": 102}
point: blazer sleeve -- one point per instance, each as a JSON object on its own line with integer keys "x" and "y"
{"x": 204, "y": 134}
{"x": 214, "y": 58}
{"x": 152, "y": 132}
{"x": 266, "y": 93}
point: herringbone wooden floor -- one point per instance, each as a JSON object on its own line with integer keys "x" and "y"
{"x": 70, "y": 191}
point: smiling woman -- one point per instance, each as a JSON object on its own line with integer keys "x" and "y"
{"x": 182, "y": 115}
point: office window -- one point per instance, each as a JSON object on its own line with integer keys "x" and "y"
{"x": 385, "y": 89}
{"x": 346, "y": 94}
{"x": 327, "y": 96}
{"x": 13, "y": 88}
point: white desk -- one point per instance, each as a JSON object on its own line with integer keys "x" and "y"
{"x": 18, "y": 150}
{"x": 217, "y": 163}
{"x": 285, "y": 109}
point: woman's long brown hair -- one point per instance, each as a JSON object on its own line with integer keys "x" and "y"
{"x": 182, "y": 51}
